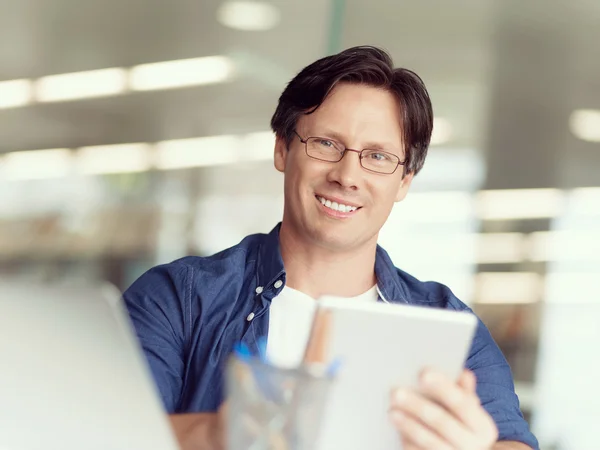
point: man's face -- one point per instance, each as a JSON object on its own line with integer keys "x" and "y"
{"x": 359, "y": 117}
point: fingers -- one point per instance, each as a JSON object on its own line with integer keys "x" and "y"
{"x": 416, "y": 435}
{"x": 410, "y": 446}
{"x": 468, "y": 381}
{"x": 427, "y": 424}
{"x": 461, "y": 401}
{"x": 442, "y": 414}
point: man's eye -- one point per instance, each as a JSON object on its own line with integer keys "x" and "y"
{"x": 326, "y": 143}
{"x": 378, "y": 156}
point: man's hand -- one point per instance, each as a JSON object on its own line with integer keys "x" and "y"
{"x": 443, "y": 415}
{"x": 200, "y": 431}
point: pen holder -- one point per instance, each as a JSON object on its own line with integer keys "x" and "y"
{"x": 274, "y": 408}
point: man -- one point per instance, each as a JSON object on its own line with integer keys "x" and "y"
{"x": 351, "y": 133}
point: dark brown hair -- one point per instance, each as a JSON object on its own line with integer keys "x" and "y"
{"x": 362, "y": 65}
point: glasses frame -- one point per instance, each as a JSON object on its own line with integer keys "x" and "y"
{"x": 346, "y": 149}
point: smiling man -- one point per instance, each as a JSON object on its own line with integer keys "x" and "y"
{"x": 351, "y": 133}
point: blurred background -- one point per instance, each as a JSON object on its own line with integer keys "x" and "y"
{"x": 134, "y": 133}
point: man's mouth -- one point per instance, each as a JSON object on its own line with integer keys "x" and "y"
{"x": 337, "y": 206}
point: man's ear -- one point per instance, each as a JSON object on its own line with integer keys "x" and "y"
{"x": 281, "y": 153}
{"x": 404, "y": 186}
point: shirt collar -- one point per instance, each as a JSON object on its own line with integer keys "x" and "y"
{"x": 270, "y": 269}
{"x": 270, "y": 264}
{"x": 391, "y": 288}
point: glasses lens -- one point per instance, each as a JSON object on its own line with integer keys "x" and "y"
{"x": 378, "y": 161}
{"x": 324, "y": 149}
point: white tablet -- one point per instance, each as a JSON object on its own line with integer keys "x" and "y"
{"x": 381, "y": 346}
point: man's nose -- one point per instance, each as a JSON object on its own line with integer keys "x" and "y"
{"x": 347, "y": 171}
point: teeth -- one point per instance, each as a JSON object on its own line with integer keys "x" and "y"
{"x": 336, "y": 206}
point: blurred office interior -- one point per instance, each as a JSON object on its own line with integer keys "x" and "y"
{"x": 134, "y": 133}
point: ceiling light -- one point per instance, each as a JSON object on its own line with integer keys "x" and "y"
{"x": 442, "y": 131}
{"x": 181, "y": 73}
{"x": 585, "y": 124}
{"x": 508, "y": 287}
{"x": 15, "y": 93}
{"x": 494, "y": 248}
{"x": 565, "y": 246}
{"x": 79, "y": 85}
{"x": 257, "y": 146}
{"x": 198, "y": 152}
{"x": 121, "y": 158}
{"x": 467, "y": 174}
{"x": 519, "y": 204}
{"x": 248, "y": 15}
{"x": 450, "y": 206}
{"x": 585, "y": 201}
{"x": 37, "y": 164}
{"x": 449, "y": 252}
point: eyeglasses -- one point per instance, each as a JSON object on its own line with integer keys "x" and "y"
{"x": 325, "y": 149}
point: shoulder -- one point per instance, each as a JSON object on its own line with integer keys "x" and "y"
{"x": 193, "y": 274}
{"x": 244, "y": 251}
{"x": 429, "y": 293}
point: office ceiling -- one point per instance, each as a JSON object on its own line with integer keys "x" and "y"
{"x": 459, "y": 48}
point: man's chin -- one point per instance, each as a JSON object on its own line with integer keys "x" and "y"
{"x": 334, "y": 240}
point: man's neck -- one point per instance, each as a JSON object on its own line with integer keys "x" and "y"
{"x": 318, "y": 271}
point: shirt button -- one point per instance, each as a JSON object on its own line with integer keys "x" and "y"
{"x": 278, "y": 284}
{"x": 259, "y": 290}
{"x": 250, "y": 317}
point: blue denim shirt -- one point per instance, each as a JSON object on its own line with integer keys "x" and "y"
{"x": 189, "y": 314}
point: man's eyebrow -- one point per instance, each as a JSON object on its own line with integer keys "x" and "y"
{"x": 325, "y": 132}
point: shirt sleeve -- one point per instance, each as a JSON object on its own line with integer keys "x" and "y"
{"x": 496, "y": 389}
{"x": 157, "y": 303}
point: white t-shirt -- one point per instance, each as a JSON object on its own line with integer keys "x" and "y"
{"x": 290, "y": 320}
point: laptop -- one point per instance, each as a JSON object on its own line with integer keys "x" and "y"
{"x": 72, "y": 374}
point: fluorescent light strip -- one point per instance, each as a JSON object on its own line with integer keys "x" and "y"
{"x": 437, "y": 207}
{"x": 139, "y": 157}
{"x": 257, "y": 146}
{"x": 461, "y": 248}
{"x": 120, "y": 158}
{"x": 74, "y": 86}
{"x": 181, "y": 73}
{"x": 519, "y": 204}
{"x": 15, "y": 93}
{"x": 37, "y": 164}
{"x": 115, "y": 81}
{"x": 565, "y": 246}
{"x": 508, "y": 287}
{"x": 503, "y": 248}
{"x": 467, "y": 174}
{"x": 494, "y": 248}
{"x": 585, "y": 201}
{"x": 198, "y": 152}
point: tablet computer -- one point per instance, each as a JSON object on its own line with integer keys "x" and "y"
{"x": 381, "y": 346}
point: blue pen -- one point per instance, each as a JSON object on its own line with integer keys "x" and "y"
{"x": 260, "y": 380}
{"x": 334, "y": 367}
{"x": 262, "y": 348}
{"x": 242, "y": 351}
